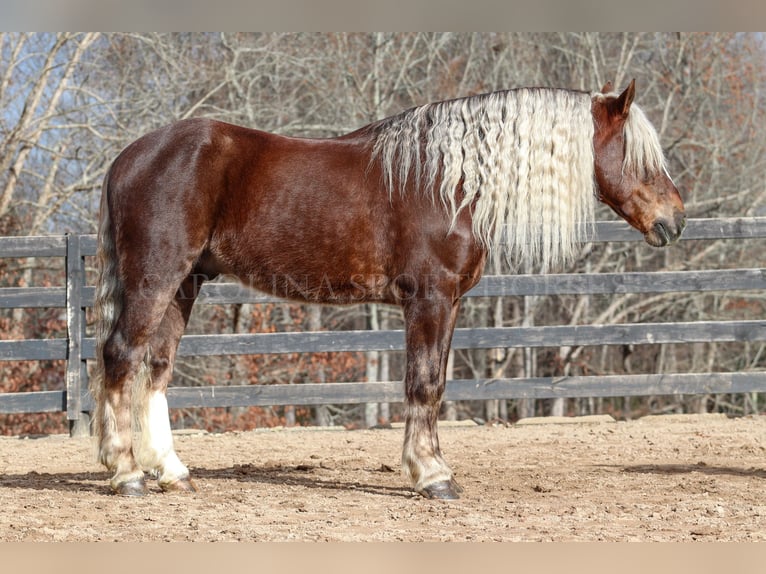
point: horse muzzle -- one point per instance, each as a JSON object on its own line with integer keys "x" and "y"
{"x": 665, "y": 231}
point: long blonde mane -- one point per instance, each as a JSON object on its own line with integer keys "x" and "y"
{"x": 525, "y": 160}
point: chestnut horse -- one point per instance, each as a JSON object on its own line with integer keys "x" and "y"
{"x": 404, "y": 211}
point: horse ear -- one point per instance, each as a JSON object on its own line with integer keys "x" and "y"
{"x": 607, "y": 88}
{"x": 622, "y": 104}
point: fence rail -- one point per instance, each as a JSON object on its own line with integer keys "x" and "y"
{"x": 76, "y": 349}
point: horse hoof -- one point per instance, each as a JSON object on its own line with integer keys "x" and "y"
{"x": 180, "y": 485}
{"x": 135, "y": 487}
{"x": 444, "y": 490}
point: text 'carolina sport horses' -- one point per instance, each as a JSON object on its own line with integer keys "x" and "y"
{"x": 403, "y": 211}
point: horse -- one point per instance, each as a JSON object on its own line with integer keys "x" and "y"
{"x": 404, "y": 211}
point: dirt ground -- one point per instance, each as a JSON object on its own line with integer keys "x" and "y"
{"x": 668, "y": 478}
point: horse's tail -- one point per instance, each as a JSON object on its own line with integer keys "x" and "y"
{"x": 107, "y": 307}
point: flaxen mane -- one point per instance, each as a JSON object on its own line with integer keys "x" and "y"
{"x": 525, "y": 160}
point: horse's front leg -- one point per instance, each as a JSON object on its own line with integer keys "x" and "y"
{"x": 429, "y": 325}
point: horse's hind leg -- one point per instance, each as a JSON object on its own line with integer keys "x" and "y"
{"x": 126, "y": 376}
{"x": 429, "y": 325}
{"x": 141, "y": 346}
{"x": 156, "y": 451}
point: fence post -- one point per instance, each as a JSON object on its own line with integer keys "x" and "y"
{"x": 76, "y": 367}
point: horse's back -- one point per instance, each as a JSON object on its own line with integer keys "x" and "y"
{"x": 264, "y": 207}
{"x": 305, "y": 218}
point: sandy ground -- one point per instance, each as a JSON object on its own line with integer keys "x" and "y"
{"x": 669, "y": 478}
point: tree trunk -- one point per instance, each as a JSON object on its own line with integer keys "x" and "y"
{"x": 384, "y": 409}
{"x": 450, "y": 407}
{"x": 372, "y": 365}
{"x": 526, "y": 407}
{"x": 322, "y": 415}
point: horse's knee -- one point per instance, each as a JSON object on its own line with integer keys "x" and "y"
{"x": 425, "y": 388}
{"x": 159, "y": 366}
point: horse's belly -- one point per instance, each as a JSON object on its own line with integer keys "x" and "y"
{"x": 324, "y": 288}
{"x": 341, "y": 274}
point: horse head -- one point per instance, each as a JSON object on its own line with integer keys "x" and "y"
{"x": 630, "y": 168}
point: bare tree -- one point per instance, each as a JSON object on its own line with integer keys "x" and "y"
{"x": 39, "y": 129}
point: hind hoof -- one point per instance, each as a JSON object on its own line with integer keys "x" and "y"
{"x": 180, "y": 485}
{"x": 444, "y": 490}
{"x": 135, "y": 487}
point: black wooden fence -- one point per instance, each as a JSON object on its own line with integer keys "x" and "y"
{"x": 77, "y": 349}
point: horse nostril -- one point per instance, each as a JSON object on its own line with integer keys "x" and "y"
{"x": 670, "y": 230}
{"x": 662, "y": 232}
